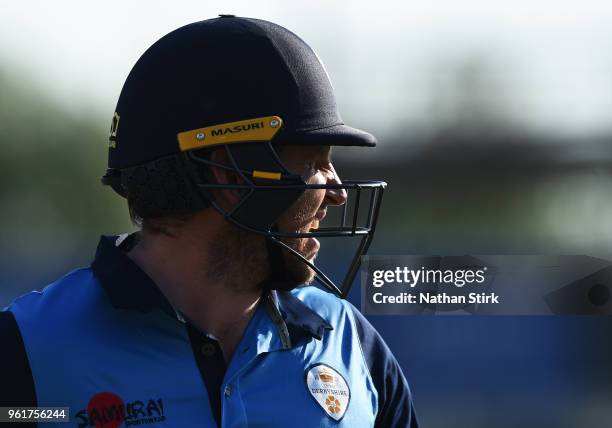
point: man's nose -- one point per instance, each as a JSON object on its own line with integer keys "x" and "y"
{"x": 336, "y": 196}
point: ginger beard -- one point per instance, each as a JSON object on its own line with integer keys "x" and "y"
{"x": 247, "y": 249}
{"x": 233, "y": 243}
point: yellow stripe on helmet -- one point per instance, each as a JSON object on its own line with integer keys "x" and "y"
{"x": 258, "y": 129}
{"x": 267, "y": 175}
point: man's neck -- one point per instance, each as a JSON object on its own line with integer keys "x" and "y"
{"x": 179, "y": 270}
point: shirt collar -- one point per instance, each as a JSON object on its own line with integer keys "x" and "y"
{"x": 129, "y": 287}
{"x": 299, "y": 318}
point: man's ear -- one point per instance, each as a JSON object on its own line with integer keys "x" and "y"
{"x": 227, "y": 198}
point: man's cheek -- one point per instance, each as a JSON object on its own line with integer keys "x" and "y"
{"x": 313, "y": 200}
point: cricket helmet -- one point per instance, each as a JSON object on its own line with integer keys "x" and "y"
{"x": 248, "y": 86}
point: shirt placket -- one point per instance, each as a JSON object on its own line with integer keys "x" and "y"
{"x": 266, "y": 333}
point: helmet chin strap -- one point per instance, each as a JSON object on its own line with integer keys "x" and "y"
{"x": 279, "y": 278}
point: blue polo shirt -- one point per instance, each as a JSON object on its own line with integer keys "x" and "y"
{"x": 105, "y": 342}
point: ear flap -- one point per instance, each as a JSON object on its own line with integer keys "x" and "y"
{"x": 262, "y": 208}
{"x": 113, "y": 178}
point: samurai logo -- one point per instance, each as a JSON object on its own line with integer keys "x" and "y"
{"x": 108, "y": 410}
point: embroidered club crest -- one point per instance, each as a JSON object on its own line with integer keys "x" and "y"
{"x": 329, "y": 389}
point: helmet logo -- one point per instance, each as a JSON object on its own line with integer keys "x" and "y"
{"x": 237, "y": 128}
{"x": 112, "y": 138}
{"x": 248, "y": 130}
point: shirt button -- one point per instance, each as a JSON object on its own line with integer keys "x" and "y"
{"x": 208, "y": 349}
{"x": 227, "y": 391}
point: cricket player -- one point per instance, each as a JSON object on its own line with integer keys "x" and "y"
{"x": 208, "y": 316}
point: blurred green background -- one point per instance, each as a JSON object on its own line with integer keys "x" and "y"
{"x": 494, "y": 122}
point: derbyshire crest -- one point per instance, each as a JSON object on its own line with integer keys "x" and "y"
{"x": 329, "y": 389}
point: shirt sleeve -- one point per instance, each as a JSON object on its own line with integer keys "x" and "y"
{"x": 16, "y": 381}
{"x": 395, "y": 406}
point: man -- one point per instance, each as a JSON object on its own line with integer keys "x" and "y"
{"x": 221, "y": 145}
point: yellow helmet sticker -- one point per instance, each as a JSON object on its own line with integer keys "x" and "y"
{"x": 258, "y": 129}
{"x": 267, "y": 175}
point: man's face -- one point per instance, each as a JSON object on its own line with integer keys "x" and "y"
{"x": 314, "y": 164}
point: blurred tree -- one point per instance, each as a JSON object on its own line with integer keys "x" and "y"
{"x": 52, "y": 205}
